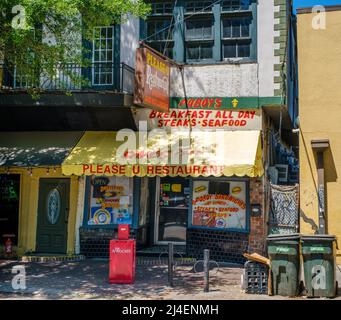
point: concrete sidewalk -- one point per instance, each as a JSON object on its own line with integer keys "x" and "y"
{"x": 89, "y": 280}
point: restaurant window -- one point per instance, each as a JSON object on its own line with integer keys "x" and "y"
{"x": 220, "y": 204}
{"x": 199, "y": 31}
{"x": 111, "y": 201}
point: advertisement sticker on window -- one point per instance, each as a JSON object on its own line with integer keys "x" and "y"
{"x": 219, "y": 204}
{"x": 111, "y": 201}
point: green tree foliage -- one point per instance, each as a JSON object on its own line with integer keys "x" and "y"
{"x": 38, "y": 35}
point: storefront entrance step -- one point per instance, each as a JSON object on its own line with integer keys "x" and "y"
{"x": 161, "y": 250}
{"x": 154, "y": 261}
{"x": 51, "y": 257}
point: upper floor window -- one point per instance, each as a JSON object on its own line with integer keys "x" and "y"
{"x": 103, "y": 56}
{"x": 236, "y": 37}
{"x": 160, "y": 35}
{"x": 195, "y": 31}
{"x": 162, "y": 8}
{"x": 199, "y": 39}
{"x": 235, "y": 5}
{"x": 198, "y": 6}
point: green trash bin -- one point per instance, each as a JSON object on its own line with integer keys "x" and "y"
{"x": 319, "y": 261}
{"x": 284, "y": 257}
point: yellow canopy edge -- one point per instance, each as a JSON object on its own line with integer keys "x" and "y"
{"x": 95, "y": 154}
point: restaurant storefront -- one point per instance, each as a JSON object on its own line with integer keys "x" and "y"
{"x": 197, "y": 203}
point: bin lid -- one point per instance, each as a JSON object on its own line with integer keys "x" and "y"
{"x": 318, "y": 237}
{"x": 285, "y": 237}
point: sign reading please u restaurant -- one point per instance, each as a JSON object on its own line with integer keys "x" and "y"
{"x": 152, "y": 76}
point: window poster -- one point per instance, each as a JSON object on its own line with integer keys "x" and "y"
{"x": 111, "y": 200}
{"x": 219, "y": 204}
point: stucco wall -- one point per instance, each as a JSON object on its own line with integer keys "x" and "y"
{"x": 320, "y": 117}
{"x": 130, "y": 36}
{"x": 266, "y": 47}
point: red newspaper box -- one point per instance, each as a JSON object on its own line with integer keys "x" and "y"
{"x": 123, "y": 231}
{"x": 122, "y": 261}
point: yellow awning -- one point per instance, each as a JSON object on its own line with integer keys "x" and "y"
{"x": 226, "y": 153}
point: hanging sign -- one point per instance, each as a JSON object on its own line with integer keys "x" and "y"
{"x": 152, "y": 78}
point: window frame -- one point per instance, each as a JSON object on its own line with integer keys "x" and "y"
{"x": 247, "y": 202}
{"x": 252, "y": 38}
{"x": 199, "y": 41}
{"x": 217, "y": 13}
{"x": 94, "y": 62}
{"x": 162, "y": 42}
{"x": 136, "y": 194}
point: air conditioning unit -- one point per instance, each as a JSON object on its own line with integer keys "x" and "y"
{"x": 282, "y": 172}
{"x": 273, "y": 175}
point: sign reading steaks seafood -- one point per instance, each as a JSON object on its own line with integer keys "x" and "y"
{"x": 152, "y": 76}
{"x": 246, "y": 119}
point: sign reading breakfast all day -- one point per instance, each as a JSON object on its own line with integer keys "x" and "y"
{"x": 213, "y": 118}
{"x": 151, "y": 80}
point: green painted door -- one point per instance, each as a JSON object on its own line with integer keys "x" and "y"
{"x": 53, "y": 212}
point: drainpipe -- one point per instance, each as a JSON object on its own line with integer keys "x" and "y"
{"x": 320, "y": 146}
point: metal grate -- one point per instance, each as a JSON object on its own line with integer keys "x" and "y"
{"x": 283, "y": 209}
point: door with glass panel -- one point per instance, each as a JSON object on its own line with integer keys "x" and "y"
{"x": 173, "y": 198}
{"x": 53, "y": 212}
{"x": 103, "y": 56}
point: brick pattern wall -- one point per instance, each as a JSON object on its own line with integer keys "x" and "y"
{"x": 94, "y": 242}
{"x": 257, "y": 224}
{"x": 224, "y": 246}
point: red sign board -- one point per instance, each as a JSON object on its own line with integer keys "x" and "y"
{"x": 151, "y": 80}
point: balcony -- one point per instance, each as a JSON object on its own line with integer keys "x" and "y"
{"x": 97, "y": 84}
{"x": 71, "y": 77}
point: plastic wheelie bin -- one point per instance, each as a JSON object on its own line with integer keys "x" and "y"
{"x": 284, "y": 257}
{"x": 319, "y": 262}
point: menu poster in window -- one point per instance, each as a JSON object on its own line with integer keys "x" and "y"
{"x": 111, "y": 201}
{"x": 220, "y": 205}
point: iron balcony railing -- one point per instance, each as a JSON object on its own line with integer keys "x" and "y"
{"x": 70, "y": 77}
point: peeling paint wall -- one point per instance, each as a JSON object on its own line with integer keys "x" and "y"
{"x": 226, "y": 80}
{"x": 223, "y": 79}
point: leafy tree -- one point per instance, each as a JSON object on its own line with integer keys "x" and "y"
{"x": 38, "y": 35}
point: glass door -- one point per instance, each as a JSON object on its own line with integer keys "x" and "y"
{"x": 9, "y": 205}
{"x": 172, "y": 210}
